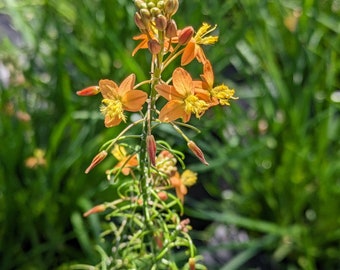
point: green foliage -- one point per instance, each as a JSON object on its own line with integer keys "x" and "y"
{"x": 274, "y": 168}
{"x": 283, "y": 149}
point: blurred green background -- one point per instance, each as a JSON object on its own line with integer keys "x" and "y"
{"x": 270, "y": 198}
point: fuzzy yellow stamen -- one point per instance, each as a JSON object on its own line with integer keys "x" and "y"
{"x": 223, "y": 93}
{"x": 113, "y": 108}
{"x": 194, "y": 105}
{"x": 201, "y": 38}
{"x": 189, "y": 178}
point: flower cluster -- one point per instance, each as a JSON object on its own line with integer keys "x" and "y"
{"x": 184, "y": 95}
{"x": 152, "y": 163}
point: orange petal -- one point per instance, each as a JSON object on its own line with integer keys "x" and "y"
{"x": 168, "y": 92}
{"x": 208, "y": 73}
{"x": 110, "y": 122}
{"x": 127, "y": 84}
{"x": 173, "y": 110}
{"x": 200, "y": 56}
{"x": 108, "y": 88}
{"x": 183, "y": 189}
{"x": 133, "y": 100}
{"x": 182, "y": 81}
{"x": 188, "y": 53}
{"x": 175, "y": 180}
{"x": 142, "y": 45}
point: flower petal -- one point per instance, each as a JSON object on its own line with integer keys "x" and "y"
{"x": 133, "y": 100}
{"x": 168, "y": 92}
{"x": 142, "y": 45}
{"x": 112, "y": 121}
{"x": 127, "y": 84}
{"x": 200, "y": 55}
{"x": 189, "y": 53}
{"x": 108, "y": 88}
{"x": 208, "y": 74}
{"x": 182, "y": 81}
{"x": 173, "y": 110}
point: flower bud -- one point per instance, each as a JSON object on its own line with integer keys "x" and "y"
{"x": 155, "y": 11}
{"x": 140, "y": 4}
{"x": 97, "y": 209}
{"x": 159, "y": 239}
{"x": 96, "y": 160}
{"x": 154, "y": 46}
{"x": 171, "y": 29}
{"x": 197, "y": 151}
{"x": 139, "y": 22}
{"x": 170, "y": 7}
{"x": 160, "y": 5}
{"x": 161, "y": 22}
{"x": 89, "y": 91}
{"x": 145, "y": 15}
{"x": 152, "y": 148}
{"x": 150, "y": 5}
{"x": 192, "y": 263}
{"x": 163, "y": 196}
{"x": 185, "y": 35}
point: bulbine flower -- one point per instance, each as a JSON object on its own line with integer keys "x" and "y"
{"x": 182, "y": 99}
{"x": 119, "y": 99}
{"x": 219, "y": 94}
{"x": 193, "y": 49}
{"x": 126, "y": 162}
{"x": 181, "y": 182}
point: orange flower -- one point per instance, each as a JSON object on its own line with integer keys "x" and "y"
{"x": 126, "y": 162}
{"x": 218, "y": 94}
{"x": 182, "y": 99}
{"x": 193, "y": 49}
{"x": 142, "y": 45}
{"x": 181, "y": 182}
{"x": 117, "y": 99}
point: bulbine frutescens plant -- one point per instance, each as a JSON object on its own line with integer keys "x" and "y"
{"x": 145, "y": 225}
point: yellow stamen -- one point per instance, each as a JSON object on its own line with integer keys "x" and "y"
{"x": 194, "y": 105}
{"x": 113, "y": 108}
{"x": 189, "y": 178}
{"x": 202, "y": 32}
{"x": 223, "y": 93}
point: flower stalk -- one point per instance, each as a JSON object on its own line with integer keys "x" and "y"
{"x": 145, "y": 222}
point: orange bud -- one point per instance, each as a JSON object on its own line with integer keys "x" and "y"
{"x": 159, "y": 239}
{"x": 163, "y": 196}
{"x": 197, "y": 151}
{"x": 96, "y": 160}
{"x": 154, "y": 46}
{"x": 97, "y": 209}
{"x": 152, "y": 148}
{"x": 192, "y": 263}
{"x": 89, "y": 91}
{"x": 185, "y": 35}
